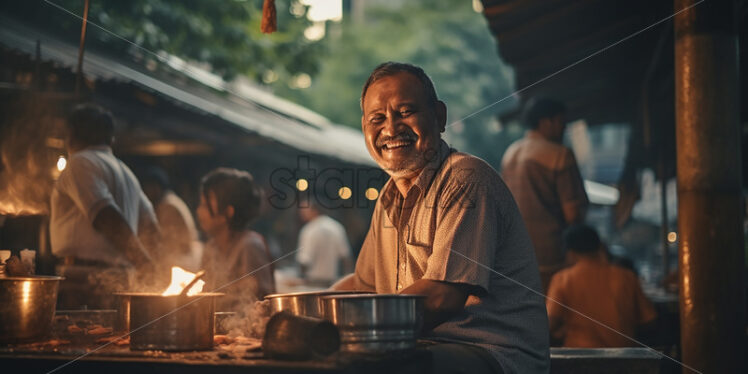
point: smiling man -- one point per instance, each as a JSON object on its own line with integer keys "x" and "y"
{"x": 446, "y": 226}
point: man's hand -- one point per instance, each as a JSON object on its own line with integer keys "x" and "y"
{"x": 443, "y": 300}
{"x": 110, "y": 223}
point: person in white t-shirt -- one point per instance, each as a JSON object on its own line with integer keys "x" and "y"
{"x": 323, "y": 244}
{"x": 100, "y": 217}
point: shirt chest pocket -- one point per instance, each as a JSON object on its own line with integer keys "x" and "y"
{"x": 419, "y": 239}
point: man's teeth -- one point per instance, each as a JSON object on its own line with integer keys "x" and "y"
{"x": 398, "y": 144}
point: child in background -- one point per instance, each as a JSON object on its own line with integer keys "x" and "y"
{"x": 234, "y": 255}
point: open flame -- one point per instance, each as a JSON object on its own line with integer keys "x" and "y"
{"x": 180, "y": 278}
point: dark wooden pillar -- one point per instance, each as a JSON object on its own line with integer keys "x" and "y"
{"x": 712, "y": 294}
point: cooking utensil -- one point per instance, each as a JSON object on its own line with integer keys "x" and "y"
{"x": 194, "y": 280}
{"x": 171, "y": 323}
{"x": 375, "y": 323}
{"x": 27, "y": 307}
{"x": 303, "y": 303}
{"x": 292, "y": 337}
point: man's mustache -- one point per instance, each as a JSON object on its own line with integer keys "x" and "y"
{"x": 381, "y": 141}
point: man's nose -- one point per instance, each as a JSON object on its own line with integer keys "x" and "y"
{"x": 392, "y": 125}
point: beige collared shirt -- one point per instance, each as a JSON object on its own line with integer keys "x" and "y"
{"x": 543, "y": 177}
{"x": 459, "y": 223}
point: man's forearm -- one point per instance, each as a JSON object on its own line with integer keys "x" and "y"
{"x": 443, "y": 300}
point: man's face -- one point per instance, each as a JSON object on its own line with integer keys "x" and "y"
{"x": 211, "y": 223}
{"x": 400, "y": 126}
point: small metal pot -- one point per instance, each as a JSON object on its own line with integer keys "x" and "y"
{"x": 375, "y": 323}
{"x": 291, "y": 337}
{"x": 306, "y": 304}
{"x": 171, "y": 323}
{"x": 27, "y": 307}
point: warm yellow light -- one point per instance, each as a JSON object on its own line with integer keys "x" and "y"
{"x": 345, "y": 193}
{"x": 371, "y": 193}
{"x": 672, "y": 237}
{"x": 61, "y": 163}
{"x": 180, "y": 278}
{"x": 302, "y": 184}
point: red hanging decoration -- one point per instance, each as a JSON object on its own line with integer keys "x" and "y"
{"x": 269, "y": 18}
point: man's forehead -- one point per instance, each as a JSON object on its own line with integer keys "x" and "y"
{"x": 398, "y": 87}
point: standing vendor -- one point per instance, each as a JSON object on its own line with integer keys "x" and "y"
{"x": 544, "y": 179}
{"x": 98, "y": 213}
{"x": 446, "y": 226}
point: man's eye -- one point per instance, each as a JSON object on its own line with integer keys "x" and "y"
{"x": 406, "y": 112}
{"x": 376, "y": 119}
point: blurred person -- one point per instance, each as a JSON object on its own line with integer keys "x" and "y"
{"x": 323, "y": 245}
{"x": 236, "y": 259}
{"x": 100, "y": 217}
{"x": 543, "y": 176}
{"x": 445, "y": 226}
{"x": 608, "y": 293}
{"x": 181, "y": 246}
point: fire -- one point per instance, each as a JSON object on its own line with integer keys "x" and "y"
{"x": 180, "y": 278}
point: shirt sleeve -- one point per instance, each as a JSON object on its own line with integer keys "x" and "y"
{"x": 466, "y": 238}
{"x": 555, "y": 297}
{"x": 306, "y": 246}
{"x": 569, "y": 183}
{"x": 365, "y": 272}
{"x": 344, "y": 249}
{"x": 82, "y": 182}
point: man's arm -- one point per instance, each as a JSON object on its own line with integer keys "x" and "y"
{"x": 110, "y": 223}
{"x": 570, "y": 189}
{"x": 443, "y": 300}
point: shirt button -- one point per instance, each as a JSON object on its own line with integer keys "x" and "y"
{"x": 402, "y": 266}
{"x": 399, "y": 286}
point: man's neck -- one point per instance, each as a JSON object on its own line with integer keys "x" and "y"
{"x": 404, "y": 184}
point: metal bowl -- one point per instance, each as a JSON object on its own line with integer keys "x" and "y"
{"x": 375, "y": 323}
{"x": 27, "y": 307}
{"x": 171, "y": 323}
{"x": 305, "y": 304}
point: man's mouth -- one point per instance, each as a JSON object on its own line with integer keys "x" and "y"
{"x": 396, "y": 143}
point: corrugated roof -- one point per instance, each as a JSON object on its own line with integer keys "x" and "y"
{"x": 256, "y": 112}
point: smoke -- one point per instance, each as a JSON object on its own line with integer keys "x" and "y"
{"x": 30, "y": 144}
{"x": 250, "y": 321}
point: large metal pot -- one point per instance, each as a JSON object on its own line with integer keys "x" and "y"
{"x": 27, "y": 307}
{"x": 375, "y": 323}
{"x": 171, "y": 323}
{"x": 305, "y": 304}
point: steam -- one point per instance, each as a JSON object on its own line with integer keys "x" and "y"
{"x": 30, "y": 146}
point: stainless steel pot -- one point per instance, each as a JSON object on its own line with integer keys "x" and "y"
{"x": 305, "y": 304}
{"x": 27, "y": 307}
{"x": 375, "y": 323}
{"x": 171, "y": 323}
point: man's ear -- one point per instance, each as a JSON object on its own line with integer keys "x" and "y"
{"x": 441, "y": 115}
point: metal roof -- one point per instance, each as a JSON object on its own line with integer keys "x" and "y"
{"x": 251, "y": 109}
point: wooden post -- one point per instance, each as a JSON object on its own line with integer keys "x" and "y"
{"x": 81, "y": 49}
{"x": 711, "y": 258}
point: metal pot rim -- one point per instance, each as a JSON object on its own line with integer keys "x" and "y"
{"x": 316, "y": 293}
{"x": 156, "y": 294}
{"x": 374, "y": 296}
{"x": 34, "y": 278}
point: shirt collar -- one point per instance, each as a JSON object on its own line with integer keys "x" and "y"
{"x": 534, "y": 134}
{"x": 390, "y": 194}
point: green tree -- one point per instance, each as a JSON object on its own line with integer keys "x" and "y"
{"x": 225, "y": 33}
{"x": 448, "y": 39}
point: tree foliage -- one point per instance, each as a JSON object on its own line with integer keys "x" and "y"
{"x": 224, "y": 33}
{"x": 448, "y": 39}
